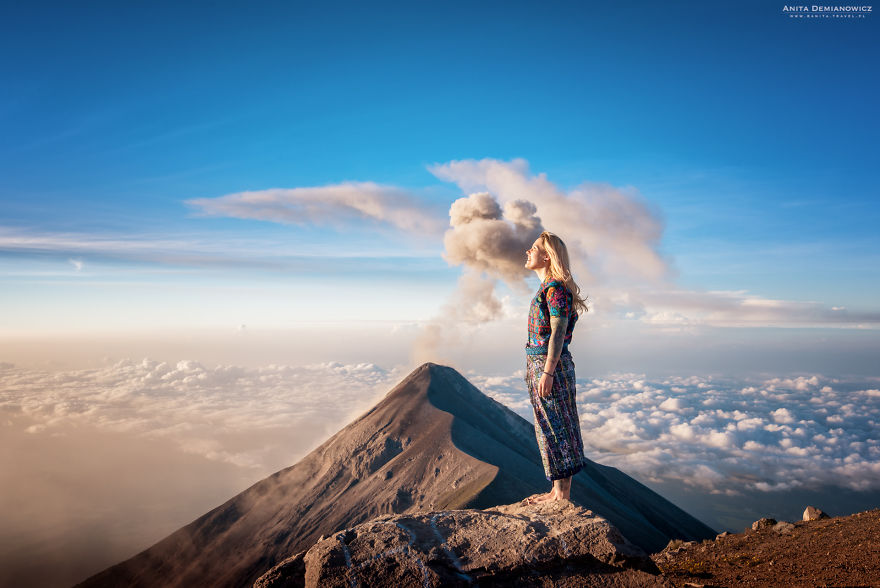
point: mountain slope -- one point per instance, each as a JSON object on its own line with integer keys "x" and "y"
{"x": 434, "y": 442}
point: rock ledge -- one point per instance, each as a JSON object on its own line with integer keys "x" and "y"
{"x": 552, "y": 543}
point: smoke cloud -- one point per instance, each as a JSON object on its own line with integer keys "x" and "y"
{"x": 472, "y": 303}
{"x": 490, "y": 241}
{"x": 611, "y": 234}
{"x": 484, "y": 238}
{"x": 613, "y": 237}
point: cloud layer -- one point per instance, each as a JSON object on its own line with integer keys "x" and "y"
{"x": 98, "y": 464}
{"x": 211, "y": 431}
{"x": 724, "y": 436}
{"x": 720, "y": 436}
{"x": 248, "y": 417}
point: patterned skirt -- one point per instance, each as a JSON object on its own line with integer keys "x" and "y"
{"x": 557, "y": 427}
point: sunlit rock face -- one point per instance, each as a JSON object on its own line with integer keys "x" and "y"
{"x": 513, "y": 544}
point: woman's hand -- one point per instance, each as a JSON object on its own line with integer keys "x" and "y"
{"x": 545, "y": 386}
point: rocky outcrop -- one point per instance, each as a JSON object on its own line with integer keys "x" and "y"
{"x": 841, "y": 551}
{"x": 783, "y": 527}
{"x": 811, "y": 513}
{"x": 763, "y": 523}
{"x": 551, "y": 543}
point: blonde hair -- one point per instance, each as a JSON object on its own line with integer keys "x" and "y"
{"x": 559, "y": 268}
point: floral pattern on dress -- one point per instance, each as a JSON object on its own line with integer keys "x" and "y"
{"x": 552, "y": 300}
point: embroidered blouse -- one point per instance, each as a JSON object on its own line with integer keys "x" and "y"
{"x": 552, "y": 299}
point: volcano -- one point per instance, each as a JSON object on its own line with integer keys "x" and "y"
{"x": 434, "y": 442}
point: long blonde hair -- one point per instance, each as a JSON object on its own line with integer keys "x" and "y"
{"x": 560, "y": 268}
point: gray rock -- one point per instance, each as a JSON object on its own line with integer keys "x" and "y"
{"x": 783, "y": 528}
{"x": 814, "y": 514}
{"x": 291, "y": 572}
{"x": 508, "y": 544}
{"x": 763, "y": 524}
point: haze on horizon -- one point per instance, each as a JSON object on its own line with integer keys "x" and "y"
{"x": 224, "y": 233}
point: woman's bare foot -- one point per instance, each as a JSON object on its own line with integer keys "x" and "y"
{"x": 535, "y": 499}
{"x": 548, "y": 497}
{"x": 561, "y": 491}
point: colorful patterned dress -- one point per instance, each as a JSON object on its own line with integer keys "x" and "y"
{"x": 557, "y": 427}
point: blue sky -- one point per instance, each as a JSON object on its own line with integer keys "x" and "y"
{"x": 207, "y": 203}
{"x": 750, "y": 135}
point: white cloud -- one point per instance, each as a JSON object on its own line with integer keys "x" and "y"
{"x": 664, "y": 305}
{"x": 613, "y": 234}
{"x": 671, "y": 405}
{"x": 257, "y": 420}
{"x": 782, "y": 415}
{"x": 243, "y": 416}
{"x": 742, "y": 442}
{"x": 210, "y": 250}
{"x": 658, "y": 429}
{"x": 335, "y": 205}
{"x": 682, "y": 431}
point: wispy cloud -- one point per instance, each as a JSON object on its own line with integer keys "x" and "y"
{"x": 689, "y": 308}
{"x": 208, "y": 251}
{"x": 335, "y": 206}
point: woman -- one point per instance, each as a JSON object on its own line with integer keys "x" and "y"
{"x": 549, "y": 367}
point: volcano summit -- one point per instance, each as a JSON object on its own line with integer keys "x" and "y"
{"x": 435, "y": 442}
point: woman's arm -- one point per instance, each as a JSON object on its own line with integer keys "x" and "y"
{"x": 558, "y": 326}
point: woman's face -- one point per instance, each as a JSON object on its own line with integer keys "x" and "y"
{"x": 536, "y": 257}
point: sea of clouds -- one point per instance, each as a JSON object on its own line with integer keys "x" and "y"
{"x": 720, "y": 436}
{"x": 98, "y": 464}
{"x": 254, "y": 418}
{"x": 135, "y": 449}
{"x": 725, "y": 436}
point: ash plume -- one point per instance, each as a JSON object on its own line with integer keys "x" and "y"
{"x": 612, "y": 235}
{"x": 490, "y": 241}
